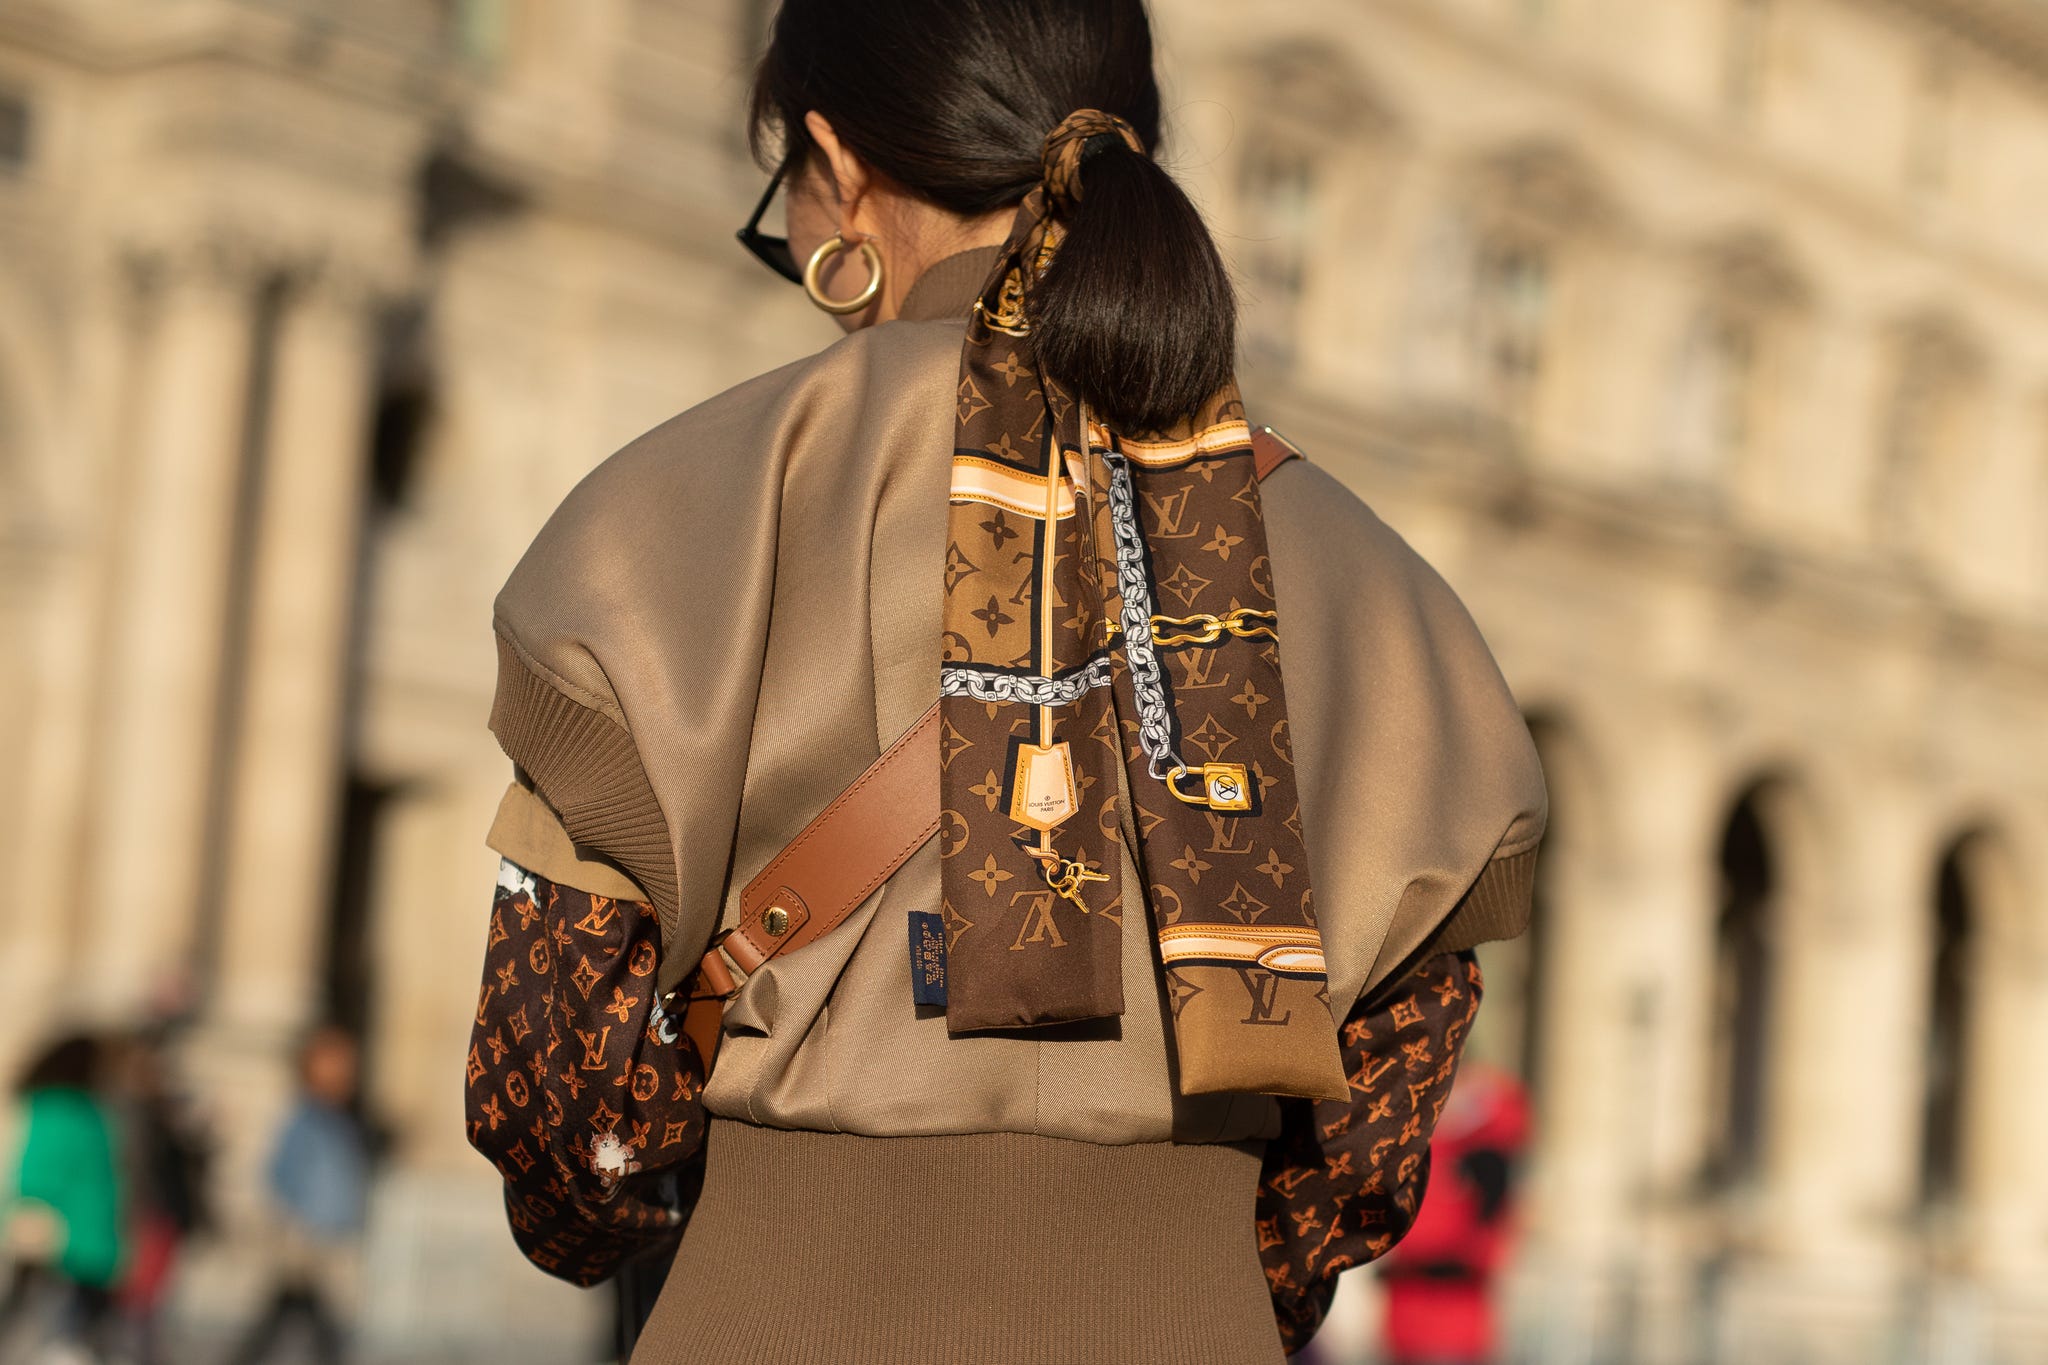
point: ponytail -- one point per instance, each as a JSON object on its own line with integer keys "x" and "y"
{"x": 953, "y": 99}
{"x": 1136, "y": 312}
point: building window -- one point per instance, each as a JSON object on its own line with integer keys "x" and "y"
{"x": 1279, "y": 191}
{"x": 1930, "y": 130}
{"x": 1908, "y": 443}
{"x": 14, "y": 510}
{"x": 1745, "y": 58}
{"x": 1752, "y": 299}
{"x": 1714, "y": 414}
{"x": 14, "y": 132}
{"x": 478, "y": 32}
{"x": 1518, "y": 245}
{"x": 1925, "y": 439}
{"x": 1510, "y": 323}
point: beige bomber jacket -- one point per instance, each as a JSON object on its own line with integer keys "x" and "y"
{"x": 729, "y": 618}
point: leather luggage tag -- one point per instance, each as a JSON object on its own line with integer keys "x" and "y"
{"x": 1042, "y": 785}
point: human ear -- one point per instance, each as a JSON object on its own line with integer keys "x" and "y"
{"x": 850, "y": 177}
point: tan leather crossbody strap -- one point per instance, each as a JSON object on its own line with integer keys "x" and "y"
{"x": 1270, "y": 450}
{"x": 849, "y": 848}
{"x": 835, "y": 863}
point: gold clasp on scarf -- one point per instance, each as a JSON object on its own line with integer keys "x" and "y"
{"x": 1008, "y": 314}
{"x": 1066, "y": 876}
{"x": 1225, "y": 786}
{"x": 1244, "y": 622}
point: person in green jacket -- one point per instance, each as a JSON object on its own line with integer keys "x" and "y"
{"x": 68, "y": 1174}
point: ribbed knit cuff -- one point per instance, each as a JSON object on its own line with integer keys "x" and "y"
{"x": 585, "y": 765}
{"x": 1496, "y": 907}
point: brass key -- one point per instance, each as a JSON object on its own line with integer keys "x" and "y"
{"x": 1070, "y": 878}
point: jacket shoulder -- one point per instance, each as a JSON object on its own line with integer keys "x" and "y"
{"x": 753, "y": 425}
{"x": 1359, "y": 576}
{"x": 713, "y": 471}
{"x": 1316, "y": 515}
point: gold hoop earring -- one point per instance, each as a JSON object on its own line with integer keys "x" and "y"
{"x": 829, "y": 248}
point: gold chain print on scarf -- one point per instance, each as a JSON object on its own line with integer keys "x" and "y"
{"x": 1109, "y": 600}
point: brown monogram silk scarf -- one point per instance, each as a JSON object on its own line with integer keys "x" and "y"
{"x": 1109, "y": 599}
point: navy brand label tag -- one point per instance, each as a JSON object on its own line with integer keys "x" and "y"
{"x": 927, "y": 957}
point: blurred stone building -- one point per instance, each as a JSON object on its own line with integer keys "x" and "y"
{"x": 1702, "y": 344}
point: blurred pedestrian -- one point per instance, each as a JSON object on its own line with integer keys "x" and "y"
{"x": 319, "y": 1181}
{"x": 1440, "y": 1280}
{"x": 167, "y": 1152}
{"x": 63, "y": 1216}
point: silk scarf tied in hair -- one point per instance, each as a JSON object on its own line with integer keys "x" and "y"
{"x": 1109, "y": 600}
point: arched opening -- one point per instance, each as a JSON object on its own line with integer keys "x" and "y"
{"x": 1982, "y": 955}
{"x": 1945, "y": 1040}
{"x": 1743, "y": 999}
{"x": 348, "y": 979}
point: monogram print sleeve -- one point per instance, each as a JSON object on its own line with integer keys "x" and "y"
{"x": 581, "y": 1088}
{"x": 1343, "y": 1181}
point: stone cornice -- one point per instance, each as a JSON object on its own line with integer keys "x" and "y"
{"x": 332, "y": 45}
{"x": 242, "y": 257}
{"x": 1742, "y": 162}
{"x": 1467, "y": 461}
{"x": 2015, "y": 31}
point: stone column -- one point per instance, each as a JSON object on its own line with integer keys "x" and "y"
{"x": 1620, "y": 1112}
{"x": 169, "y": 618}
{"x": 283, "y": 807}
{"x": 1844, "y": 1099}
{"x": 2005, "y": 1116}
{"x": 1654, "y": 1033}
{"x": 1587, "y": 1161}
{"x": 61, "y": 656}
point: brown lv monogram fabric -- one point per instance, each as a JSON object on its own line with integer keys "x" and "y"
{"x": 1108, "y": 600}
{"x": 1345, "y": 1178}
{"x": 581, "y": 1089}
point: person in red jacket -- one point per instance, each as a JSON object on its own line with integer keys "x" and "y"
{"x": 1439, "y": 1280}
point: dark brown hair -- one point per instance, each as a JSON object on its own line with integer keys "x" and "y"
{"x": 952, "y": 99}
{"x": 71, "y": 1061}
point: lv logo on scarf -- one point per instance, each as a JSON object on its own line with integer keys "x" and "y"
{"x": 1109, "y": 600}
